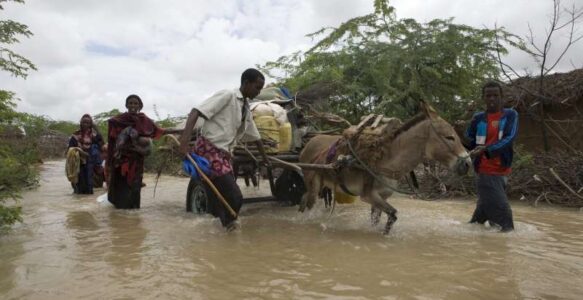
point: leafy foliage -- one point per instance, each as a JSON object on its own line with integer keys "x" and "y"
{"x": 16, "y": 172}
{"x": 7, "y": 106}
{"x": 18, "y": 154}
{"x": 10, "y": 61}
{"x": 16, "y": 157}
{"x": 65, "y": 127}
{"x": 522, "y": 158}
{"x": 378, "y": 63}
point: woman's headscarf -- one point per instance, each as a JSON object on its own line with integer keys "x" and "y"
{"x": 85, "y": 137}
{"x": 135, "y": 97}
{"x": 85, "y": 116}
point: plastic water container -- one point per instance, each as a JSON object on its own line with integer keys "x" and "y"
{"x": 268, "y": 129}
{"x": 285, "y": 137}
{"x": 342, "y": 197}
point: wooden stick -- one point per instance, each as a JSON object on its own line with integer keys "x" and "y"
{"x": 365, "y": 121}
{"x": 290, "y": 165}
{"x": 559, "y": 138}
{"x": 205, "y": 178}
{"x": 564, "y": 183}
{"x": 215, "y": 190}
{"x": 377, "y": 121}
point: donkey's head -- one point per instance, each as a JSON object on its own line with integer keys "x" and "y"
{"x": 443, "y": 144}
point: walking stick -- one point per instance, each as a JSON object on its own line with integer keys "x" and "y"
{"x": 207, "y": 180}
{"x": 210, "y": 183}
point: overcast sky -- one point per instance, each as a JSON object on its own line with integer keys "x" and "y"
{"x": 91, "y": 54}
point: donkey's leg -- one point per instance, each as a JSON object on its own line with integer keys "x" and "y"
{"x": 375, "y": 211}
{"x": 379, "y": 201}
{"x": 313, "y": 186}
{"x": 307, "y": 179}
{"x": 379, "y": 205}
{"x": 316, "y": 183}
{"x": 375, "y": 215}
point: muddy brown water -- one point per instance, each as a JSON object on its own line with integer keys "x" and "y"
{"x": 71, "y": 247}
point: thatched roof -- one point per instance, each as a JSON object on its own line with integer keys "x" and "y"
{"x": 559, "y": 89}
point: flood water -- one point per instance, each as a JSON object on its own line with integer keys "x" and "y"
{"x": 71, "y": 247}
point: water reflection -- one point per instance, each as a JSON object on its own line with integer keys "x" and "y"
{"x": 80, "y": 222}
{"x": 127, "y": 237}
{"x": 88, "y": 238}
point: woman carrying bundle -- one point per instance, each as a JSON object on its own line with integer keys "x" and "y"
{"x": 84, "y": 156}
{"x": 129, "y": 142}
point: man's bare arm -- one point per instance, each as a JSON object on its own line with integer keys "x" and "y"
{"x": 187, "y": 133}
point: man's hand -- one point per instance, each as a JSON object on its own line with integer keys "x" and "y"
{"x": 477, "y": 151}
{"x": 267, "y": 163}
{"x": 266, "y": 160}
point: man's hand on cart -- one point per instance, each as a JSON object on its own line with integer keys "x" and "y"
{"x": 268, "y": 165}
{"x": 266, "y": 162}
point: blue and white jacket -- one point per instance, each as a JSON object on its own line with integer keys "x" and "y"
{"x": 508, "y": 127}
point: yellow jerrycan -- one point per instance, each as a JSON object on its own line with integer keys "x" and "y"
{"x": 285, "y": 137}
{"x": 269, "y": 130}
{"x": 343, "y": 198}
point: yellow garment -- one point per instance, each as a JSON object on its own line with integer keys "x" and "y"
{"x": 73, "y": 164}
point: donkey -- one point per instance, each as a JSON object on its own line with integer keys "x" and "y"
{"x": 424, "y": 137}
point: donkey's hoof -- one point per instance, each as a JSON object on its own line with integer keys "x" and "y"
{"x": 375, "y": 216}
{"x": 303, "y": 203}
{"x": 310, "y": 204}
{"x": 387, "y": 229}
{"x": 302, "y": 207}
{"x": 392, "y": 219}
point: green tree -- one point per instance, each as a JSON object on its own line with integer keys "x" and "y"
{"x": 65, "y": 127}
{"x": 10, "y": 61}
{"x": 15, "y": 158}
{"x": 378, "y": 63}
{"x": 100, "y": 120}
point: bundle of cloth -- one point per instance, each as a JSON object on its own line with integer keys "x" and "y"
{"x": 268, "y": 108}
{"x": 129, "y": 140}
{"x": 273, "y": 93}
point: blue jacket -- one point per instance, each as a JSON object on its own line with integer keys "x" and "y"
{"x": 508, "y": 128}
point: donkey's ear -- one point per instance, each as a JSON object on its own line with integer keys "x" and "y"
{"x": 428, "y": 110}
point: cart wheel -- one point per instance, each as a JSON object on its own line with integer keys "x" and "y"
{"x": 196, "y": 199}
{"x": 289, "y": 187}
